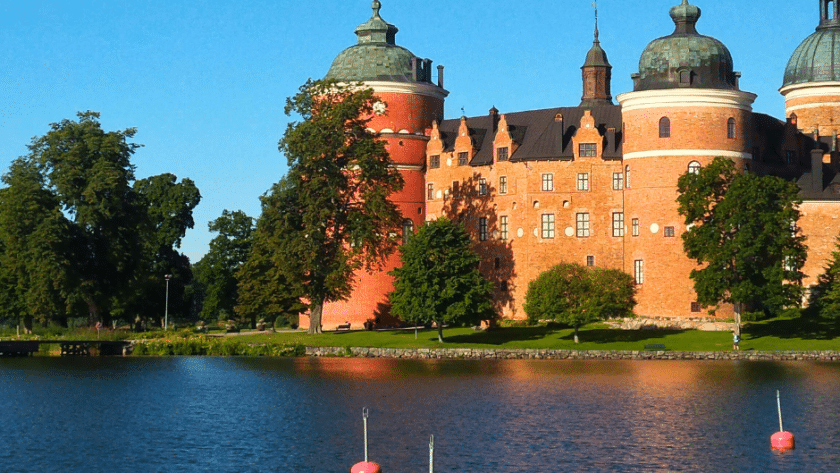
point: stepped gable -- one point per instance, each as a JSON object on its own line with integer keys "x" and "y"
{"x": 541, "y": 134}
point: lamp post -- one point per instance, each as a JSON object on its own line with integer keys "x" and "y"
{"x": 166, "y": 309}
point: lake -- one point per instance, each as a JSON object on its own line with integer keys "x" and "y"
{"x": 305, "y": 415}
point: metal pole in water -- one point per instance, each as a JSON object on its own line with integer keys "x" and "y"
{"x": 779, "y": 407}
{"x": 364, "y": 420}
{"x": 432, "y": 454}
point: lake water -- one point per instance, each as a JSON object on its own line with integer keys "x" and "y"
{"x": 304, "y": 415}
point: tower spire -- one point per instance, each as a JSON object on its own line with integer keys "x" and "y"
{"x": 596, "y": 72}
{"x": 595, "y": 6}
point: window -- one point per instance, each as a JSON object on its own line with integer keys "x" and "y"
{"x": 730, "y": 128}
{"x": 503, "y": 286}
{"x": 408, "y": 230}
{"x": 582, "y": 224}
{"x": 618, "y": 224}
{"x": 618, "y": 181}
{"x": 482, "y": 229}
{"x": 590, "y": 260}
{"x": 668, "y": 232}
{"x": 434, "y": 161}
{"x": 664, "y": 127}
{"x": 790, "y": 156}
{"x": 456, "y": 185}
{"x": 583, "y": 181}
{"x": 635, "y": 227}
{"x": 502, "y": 184}
{"x": 463, "y": 158}
{"x": 482, "y": 186}
{"x": 587, "y": 150}
{"x": 430, "y": 192}
{"x": 502, "y": 154}
{"x": 695, "y": 307}
{"x": 497, "y": 263}
{"x": 639, "y": 271}
{"x": 694, "y": 167}
{"x": 503, "y": 227}
{"x": 627, "y": 176}
{"x": 548, "y": 182}
{"x": 547, "y": 225}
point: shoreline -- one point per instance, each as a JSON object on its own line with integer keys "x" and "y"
{"x": 556, "y": 354}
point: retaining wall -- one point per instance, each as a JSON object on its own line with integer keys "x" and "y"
{"x": 549, "y": 354}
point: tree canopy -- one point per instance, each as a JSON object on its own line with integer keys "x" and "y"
{"x": 77, "y": 237}
{"x": 742, "y": 230}
{"x": 577, "y": 295}
{"x": 824, "y": 299}
{"x": 439, "y": 280}
{"x": 337, "y": 217}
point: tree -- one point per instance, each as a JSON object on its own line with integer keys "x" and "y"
{"x": 824, "y": 299}
{"x": 743, "y": 231}
{"x": 263, "y": 289}
{"x": 576, "y": 295}
{"x": 340, "y": 218}
{"x": 217, "y": 269}
{"x": 438, "y": 280}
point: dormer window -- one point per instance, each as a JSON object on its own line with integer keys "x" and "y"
{"x": 587, "y": 150}
{"x": 434, "y": 161}
{"x": 684, "y": 77}
{"x": 463, "y": 158}
{"x": 502, "y": 154}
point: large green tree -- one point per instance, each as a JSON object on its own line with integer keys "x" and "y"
{"x": 577, "y": 295}
{"x": 743, "y": 234}
{"x": 438, "y": 280}
{"x": 339, "y": 218}
{"x": 263, "y": 290}
{"x": 825, "y": 295}
{"x": 216, "y": 271}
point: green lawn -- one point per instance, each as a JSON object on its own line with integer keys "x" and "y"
{"x": 773, "y": 335}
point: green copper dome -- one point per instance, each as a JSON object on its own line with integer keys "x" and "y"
{"x": 685, "y": 58}
{"x": 817, "y": 59}
{"x": 377, "y": 57}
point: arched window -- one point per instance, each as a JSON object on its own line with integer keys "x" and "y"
{"x": 408, "y": 230}
{"x": 730, "y": 128}
{"x": 664, "y": 127}
{"x": 627, "y": 176}
{"x": 694, "y": 167}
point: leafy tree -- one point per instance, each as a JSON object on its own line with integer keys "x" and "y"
{"x": 439, "y": 279}
{"x": 742, "y": 230}
{"x": 576, "y": 295}
{"x": 169, "y": 205}
{"x": 825, "y": 295}
{"x": 264, "y": 291}
{"x": 339, "y": 217}
{"x": 217, "y": 269}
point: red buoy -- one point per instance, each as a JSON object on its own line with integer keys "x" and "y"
{"x": 782, "y": 441}
{"x": 366, "y": 467}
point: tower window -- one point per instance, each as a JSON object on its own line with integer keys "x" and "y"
{"x": 730, "y": 128}
{"x": 694, "y": 167}
{"x": 627, "y": 176}
{"x": 664, "y": 127}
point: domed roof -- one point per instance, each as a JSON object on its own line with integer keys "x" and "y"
{"x": 376, "y": 57}
{"x": 596, "y": 55}
{"x": 817, "y": 59}
{"x": 685, "y": 58}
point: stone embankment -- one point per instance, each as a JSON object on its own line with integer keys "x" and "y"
{"x": 549, "y": 354}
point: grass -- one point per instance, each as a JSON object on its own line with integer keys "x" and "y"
{"x": 781, "y": 334}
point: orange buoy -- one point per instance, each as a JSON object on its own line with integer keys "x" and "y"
{"x": 782, "y": 441}
{"x": 366, "y": 467}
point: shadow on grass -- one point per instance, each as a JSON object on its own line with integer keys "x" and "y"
{"x": 597, "y": 335}
{"x": 805, "y": 328}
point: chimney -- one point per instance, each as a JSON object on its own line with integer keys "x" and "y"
{"x": 427, "y": 70}
{"x": 415, "y": 69}
{"x": 440, "y": 76}
{"x": 610, "y": 141}
{"x": 816, "y": 170}
{"x": 494, "y": 116}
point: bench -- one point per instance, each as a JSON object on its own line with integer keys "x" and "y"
{"x": 655, "y": 347}
{"x": 343, "y": 327}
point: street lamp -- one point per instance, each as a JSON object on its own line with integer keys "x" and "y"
{"x": 166, "y": 309}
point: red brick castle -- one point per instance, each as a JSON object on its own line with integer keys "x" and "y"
{"x": 596, "y": 183}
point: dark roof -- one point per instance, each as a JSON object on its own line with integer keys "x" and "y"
{"x": 539, "y": 135}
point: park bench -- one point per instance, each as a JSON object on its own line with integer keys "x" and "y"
{"x": 343, "y": 327}
{"x": 655, "y": 347}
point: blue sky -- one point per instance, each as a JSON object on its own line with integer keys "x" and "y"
{"x": 205, "y": 81}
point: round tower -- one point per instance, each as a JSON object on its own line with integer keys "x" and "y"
{"x": 685, "y": 109}
{"x": 408, "y": 103}
{"x": 811, "y": 84}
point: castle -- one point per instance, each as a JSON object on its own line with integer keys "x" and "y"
{"x": 596, "y": 183}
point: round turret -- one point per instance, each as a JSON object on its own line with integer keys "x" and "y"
{"x": 685, "y": 58}
{"x": 817, "y": 59}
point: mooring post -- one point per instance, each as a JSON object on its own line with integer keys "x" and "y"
{"x": 364, "y": 421}
{"x": 432, "y": 454}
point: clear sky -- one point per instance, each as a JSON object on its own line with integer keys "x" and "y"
{"x": 205, "y": 81}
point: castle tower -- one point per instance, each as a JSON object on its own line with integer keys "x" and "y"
{"x": 685, "y": 109}
{"x": 410, "y": 101}
{"x": 812, "y": 77}
{"x": 597, "y": 74}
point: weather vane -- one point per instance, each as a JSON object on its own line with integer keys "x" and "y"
{"x": 595, "y": 6}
